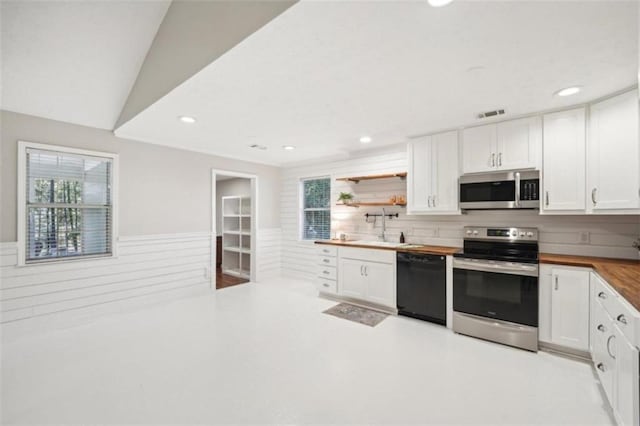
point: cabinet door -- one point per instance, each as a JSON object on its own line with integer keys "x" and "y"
{"x": 445, "y": 172}
{"x": 419, "y": 176}
{"x": 479, "y": 149}
{"x": 614, "y": 154}
{"x": 626, "y": 383}
{"x": 519, "y": 143}
{"x": 570, "y": 308}
{"x": 381, "y": 283}
{"x": 351, "y": 278}
{"x": 564, "y": 147}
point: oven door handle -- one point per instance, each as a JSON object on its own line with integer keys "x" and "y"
{"x": 497, "y": 267}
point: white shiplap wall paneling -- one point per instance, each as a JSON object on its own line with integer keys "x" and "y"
{"x": 62, "y": 292}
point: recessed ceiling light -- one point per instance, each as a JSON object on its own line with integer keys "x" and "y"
{"x": 568, "y": 91}
{"x": 439, "y": 3}
{"x": 365, "y": 139}
{"x": 187, "y": 119}
{"x": 289, "y": 147}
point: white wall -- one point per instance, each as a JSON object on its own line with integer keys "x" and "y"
{"x": 609, "y": 236}
{"x": 164, "y": 246}
{"x": 229, "y": 187}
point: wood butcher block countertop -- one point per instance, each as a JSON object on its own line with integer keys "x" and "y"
{"x": 414, "y": 248}
{"x": 621, "y": 274}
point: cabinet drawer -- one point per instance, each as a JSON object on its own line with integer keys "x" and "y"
{"x": 622, "y": 314}
{"x": 327, "y": 286}
{"x": 326, "y": 250}
{"x": 327, "y": 272}
{"x": 368, "y": 255}
{"x": 327, "y": 261}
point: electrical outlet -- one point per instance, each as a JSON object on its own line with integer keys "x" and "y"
{"x": 584, "y": 237}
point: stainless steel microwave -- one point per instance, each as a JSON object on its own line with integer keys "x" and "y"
{"x": 503, "y": 190}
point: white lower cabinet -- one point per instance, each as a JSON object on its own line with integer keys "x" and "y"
{"x": 327, "y": 273}
{"x": 368, "y": 275}
{"x": 564, "y": 307}
{"x": 615, "y": 352}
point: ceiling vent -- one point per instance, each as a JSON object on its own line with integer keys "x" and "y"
{"x": 489, "y": 114}
{"x": 260, "y": 147}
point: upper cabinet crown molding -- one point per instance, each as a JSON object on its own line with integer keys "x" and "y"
{"x": 508, "y": 145}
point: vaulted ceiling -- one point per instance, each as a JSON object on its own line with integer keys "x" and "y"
{"x": 74, "y": 61}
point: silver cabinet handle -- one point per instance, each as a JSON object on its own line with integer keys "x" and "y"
{"x": 602, "y": 328}
{"x": 500, "y": 160}
{"x": 556, "y": 282}
{"x": 609, "y": 349}
{"x": 601, "y": 295}
{"x": 517, "y": 175}
{"x": 325, "y": 251}
{"x": 366, "y": 271}
{"x": 325, "y": 272}
{"x": 621, "y": 318}
{"x": 433, "y": 197}
{"x": 493, "y": 160}
{"x": 325, "y": 285}
{"x": 546, "y": 198}
{"x": 325, "y": 260}
{"x": 429, "y": 201}
{"x": 593, "y": 196}
{"x": 361, "y": 273}
{"x": 600, "y": 367}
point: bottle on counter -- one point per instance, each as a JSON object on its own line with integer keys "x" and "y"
{"x": 401, "y": 237}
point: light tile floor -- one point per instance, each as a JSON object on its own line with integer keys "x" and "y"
{"x": 264, "y": 353}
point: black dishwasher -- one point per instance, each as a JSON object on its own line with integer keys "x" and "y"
{"x": 422, "y": 287}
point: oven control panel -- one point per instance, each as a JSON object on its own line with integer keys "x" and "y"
{"x": 510, "y": 234}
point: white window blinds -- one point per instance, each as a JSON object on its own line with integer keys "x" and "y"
{"x": 316, "y": 211}
{"x": 69, "y": 206}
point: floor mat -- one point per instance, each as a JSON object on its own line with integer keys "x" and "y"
{"x": 356, "y": 314}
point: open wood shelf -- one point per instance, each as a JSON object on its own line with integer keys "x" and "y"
{"x": 373, "y": 204}
{"x": 357, "y": 179}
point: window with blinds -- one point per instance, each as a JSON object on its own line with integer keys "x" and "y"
{"x": 316, "y": 210}
{"x": 68, "y": 205}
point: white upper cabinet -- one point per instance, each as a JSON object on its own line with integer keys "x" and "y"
{"x": 563, "y": 166}
{"x": 518, "y": 143}
{"x": 509, "y": 145}
{"x": 614, "y": 155}
{"x": 433, "y": 174}
{"x": 479, "y": 146}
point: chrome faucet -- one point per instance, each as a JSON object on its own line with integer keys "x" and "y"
{"x": 381, "y": 237}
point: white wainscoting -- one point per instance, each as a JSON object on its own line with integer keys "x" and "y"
{"x": 268, "y": 259}
{"x": 158, "y": 267}
{"x": 589, "y": 235}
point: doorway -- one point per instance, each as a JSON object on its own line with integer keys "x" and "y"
{"x": 234, "y": 224}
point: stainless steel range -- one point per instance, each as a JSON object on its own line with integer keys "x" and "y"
{"x": 495, "y": 286}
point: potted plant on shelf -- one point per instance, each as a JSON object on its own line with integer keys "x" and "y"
{"x": 345, "y": 198}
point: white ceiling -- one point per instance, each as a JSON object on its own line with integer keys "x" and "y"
{"x": 324, "y": 73}
{"x": 74, "y": 61}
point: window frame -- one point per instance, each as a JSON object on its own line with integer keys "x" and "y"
{"x": 301, "y": 209}
{"x": 22, "y": 202}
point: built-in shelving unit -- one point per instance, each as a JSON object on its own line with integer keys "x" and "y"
{"x": 236, "y": 236}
